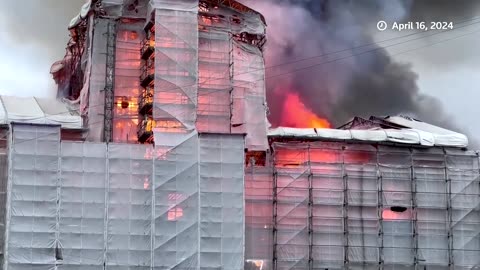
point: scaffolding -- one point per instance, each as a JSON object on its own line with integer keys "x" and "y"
{"x": 189, "y": 70}
{"x": 110, "y": 80}
{"x": 3, "y": 190}
{"x": 127, "y": 85}
{"x": 77, "y": 205}
{"x": 361, "y": 206}
{"x": 215, "y": 76}
{"x": 176, "y": 65}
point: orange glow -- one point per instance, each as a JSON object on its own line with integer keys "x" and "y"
{"x": 146, "y": 184}
{"x": 159, "y": 153}
{"x": 297, "y": 115}
{"x": 388, "y": 214}
{"x": 125, "y": 35}
{"x": 169, "y": 126}
{"x": 129, "y": 105}
{"x": 125, "y": 130}
{"x": 175, "y": 212}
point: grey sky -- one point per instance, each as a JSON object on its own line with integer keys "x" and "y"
{"x": 32, "y": 38}
{"x": 448, "y": 65}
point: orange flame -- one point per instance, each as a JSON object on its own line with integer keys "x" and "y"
{"x": 297, "y": 115}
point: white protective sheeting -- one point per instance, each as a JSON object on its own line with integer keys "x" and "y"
{"x": 258, "y": 217}
{"x": 403, "y": 136}
{"x": 441, "y": 136}
{"x": 121, "y": 206}
{"x": 82, "y": 204}
{"x": 175, "y": 5}
{"x": 333, "y": 205}
{"x": 57, "y": 113}
{"x": 214, "y": 82}
{"x": 221, "y": 201}
{"x": 231, "y": 92}
{"x": 249, "y": 98}
{"x": 38, "y": 111}
{"x": 176, "y": 64}
{"x": 127, "y": 84}
{"x": 81, "y": 16}
{"x": 96, "y": 95}
{"x": 3, "y": 194}
{"x": 32, "y": 207}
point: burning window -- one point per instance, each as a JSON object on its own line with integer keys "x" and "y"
{"x": 175, "y": 212}
{"x": 146, "y": 183}
{"x": 397, "y": 213}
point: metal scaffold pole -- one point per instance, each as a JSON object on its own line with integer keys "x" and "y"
{"x": 110, "y": 80}
{"x": 231, "y": 75}
{"x": 310, "y": 213}
{"x": 449, "y": 212}
{"x": 414, "y": 210}
{"x": 380, "y": 212}
{"x": 274, "y": 217}
{"x": 345, "y": 210}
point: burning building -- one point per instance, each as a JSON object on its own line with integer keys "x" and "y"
{"x": 160, "y": 156}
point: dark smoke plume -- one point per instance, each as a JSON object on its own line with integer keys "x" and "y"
{"x": 370, "y": 83}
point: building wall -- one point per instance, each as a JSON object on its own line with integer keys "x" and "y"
{"x": 337, "y": 205}
{"x": 3, "y": 188}
{"x": 74, "y": 205}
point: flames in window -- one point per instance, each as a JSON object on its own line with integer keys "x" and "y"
{"x": 175, "y": 212}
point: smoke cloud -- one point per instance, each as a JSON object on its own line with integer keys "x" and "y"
{"x": 40, "y": 24}
{"x": 33, "y": 35}
{"x": 369, "y": 83}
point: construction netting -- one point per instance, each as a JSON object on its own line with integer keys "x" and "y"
{"x": 215, "y": 79}
{"x": 3, "y": 189}
{"x": 97, "y": 206}
{"x": 249, "y": 104}
{"x": 127, "y": 81}
{"x": 96, "y": 89}
{"x": 176, "y": 64}
{"x": 205, "y": 76}
{"x": 337, "y": 205}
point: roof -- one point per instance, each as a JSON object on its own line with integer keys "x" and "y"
{"x": 237, "y": 6}
{"x": 403, "y": 130}
{"x": 33, "y": 110}
{"x": 81, "y": 16}
{"x": 89, "y": 5}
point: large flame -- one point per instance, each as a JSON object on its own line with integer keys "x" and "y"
{"x": 296, "y": 114}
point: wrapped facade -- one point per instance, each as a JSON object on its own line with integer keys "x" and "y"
{"x": 75, "y": 205}
{"x": 361, "y": 206}
{"x": 174, "y": 170}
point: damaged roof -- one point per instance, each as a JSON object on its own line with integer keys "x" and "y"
{"x": 394, "y": 129}
{"x": 90, "y": 4}
{"x": 34, "y": 110}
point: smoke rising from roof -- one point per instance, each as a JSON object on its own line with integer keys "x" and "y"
{"x": 369, "y": 83}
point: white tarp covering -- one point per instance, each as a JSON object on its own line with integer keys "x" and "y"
{"x": 37, "y": 111}
{"x": 330, "y": 205}
{"x": 81, "y": 16}
{"x": 175, "y": 5}
{"x": 404, "y": 136}
{"x": 249, "y": 99}
{"x": 122, "y": 206}
{"x": 176, "y": 64}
